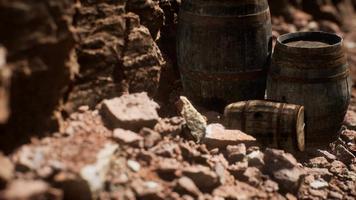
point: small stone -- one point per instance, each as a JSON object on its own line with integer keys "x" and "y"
{"x": 132, "y": 111}
{"x": 151, "y": 137}
{"x": 344, "y": 155}
{"x": 319, "y": 184}
{"x": 218, "y": 137}
{"x": 320, "y": 172}
{"x": 202, "y": 176}
{"x": 239, "y": 191}
{"x": 133, "y": 165}
{"x": 194, "y": 120}
{"x": 127, "y": 137}
{"x": 288, "y": 179}
{"x": 253, "y": 176}
{"x": 185, "y": 185}
{"x": 350, "y": 119}
{"x": 236, "y": 153}
{"x": 319, "y": 162}
{"x": 330, "y": 157}
{"x": 337, "y": 167}
{"x": 270, "y": 186}
{"x": 147, "y": 190}
{"x": 83, "y": 109}
{"x": 278, "y": 159}
{"x": 256, "y": 159}
{"x": 335, "y": 195}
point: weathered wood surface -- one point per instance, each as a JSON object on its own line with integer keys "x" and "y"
{"x": 273, "y": 124}
{"x": 223, "y": 49}
{"x": 315, "y": 77}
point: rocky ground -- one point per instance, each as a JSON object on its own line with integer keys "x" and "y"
{"x": 100, "y": 120}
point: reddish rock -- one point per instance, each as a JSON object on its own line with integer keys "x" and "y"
{"x": 319, "y": 162}
{"x": 219, "y": 137}
{"x": 131, "y": 112}
{"x": 151, "y": 137}
{"x": 256, "y": 159}
{"x": 185, "y": 185}
{"x": 170, "y": 126}
{"x": 236, "y": 153}
{"x": 203, "y": 177}
{"x": 278, "y": 159}
{"x": 127, "y": 137}
{"x": 147, "y": 190}
{"x": 239, "y": 191}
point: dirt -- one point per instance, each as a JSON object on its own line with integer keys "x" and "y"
{"x": 75, "y": 124}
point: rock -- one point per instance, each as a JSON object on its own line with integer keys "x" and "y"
{"x": 23, "y": 189}
{"x": 238, "y": 169}
{"x": 348, "y": 135}
{"x": 337, "y": 167}
{"x": 270, "y": 186}
{"x": 167, "y": 168}
{"x": 218, "y": 137}
{"x": 319, "y": 184}
{"x": 166, "y": 149}
{"x": 344, "y": 154}
{"x": 130, "y": 112}
{"x": 142, "y": 58}
{"x": 127, "y": 137}
{"x": 202, "y": 176}
{"x": 319, "y": 162}
{"x": 330, "y": 157}
{"x": 40, "y": 45}
{"x": 185, "y": 185}
{"x": 95, "y": 174}
{"x": 239, "y": 191}
{"x": 236, "y": 153}
{"x": 170, "y": 126}
{"x": 256, "y": 159}
{"x": 194, "y": 120}
{"x": 253, "y": 176}
{"x": 148, "y": 190}
{"x": 151, "y": 137}
{"x": 335, "y": 195}
{"x": 288, "y": 179}
{"x": 6, "y": 170}
{"x": 278, "y": 159}
{"x": 133, "y": 165}
{"x": 350, "y": 119}
{"x": 319, "y": 172}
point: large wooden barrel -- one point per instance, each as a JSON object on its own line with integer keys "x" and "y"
{"x": 223, "y": 49}
{"x": 310, "y": 69}
{"x": 273, "y": 124}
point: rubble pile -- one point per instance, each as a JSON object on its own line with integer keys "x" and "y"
{"x": 90, "y": 159}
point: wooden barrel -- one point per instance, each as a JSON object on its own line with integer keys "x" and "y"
{"x": 223, "y": 49}
{"x": 274, "y": 124}
{"x": 310, "y": 69}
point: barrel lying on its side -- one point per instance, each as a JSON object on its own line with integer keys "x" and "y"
{"x": 273, "y": 124}
{"x": 310, "y": 69}
{"x": 223, "y": 49}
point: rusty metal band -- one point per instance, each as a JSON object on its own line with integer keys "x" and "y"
{"x": 301, "y": 80}
{"x": 279, "y": 122}
{"x": 243, "y": 116}
{"x": 291, "y": 63}
{"x": 240, "y": 20}
{"x": 226, "y": 76}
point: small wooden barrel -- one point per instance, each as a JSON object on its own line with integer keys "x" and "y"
{"x": 273, "y": 124}
{"x": 310, "y": 69}
{"x": 223, "y": 49}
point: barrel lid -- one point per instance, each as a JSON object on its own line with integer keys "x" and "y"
{"x": 330, "y": 40}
